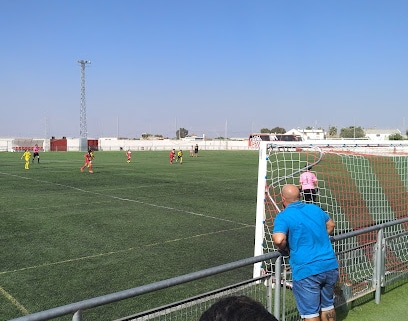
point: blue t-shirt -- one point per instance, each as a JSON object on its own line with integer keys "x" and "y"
{"x": 311, "y": 251}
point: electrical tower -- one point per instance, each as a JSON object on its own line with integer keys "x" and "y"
{"x": 83, "y": 131}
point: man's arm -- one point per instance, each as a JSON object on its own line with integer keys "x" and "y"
{"x": 279, "y": 239}
{"x": 330, "y": 226}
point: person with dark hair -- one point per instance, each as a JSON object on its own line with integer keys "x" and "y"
{"x": 89, "y": 156}
{"x": 179, "y": 157}
{"x": 172, "y": 155}
{"x": 196, "y": 150}
{"x": 36, "y": 153}
{"x": 302, "y": 230}
{"x": 237, "y": 308}
{"x": 308, "y": 185}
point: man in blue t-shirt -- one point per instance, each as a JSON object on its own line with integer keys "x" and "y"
{"x": 303, "y": 231}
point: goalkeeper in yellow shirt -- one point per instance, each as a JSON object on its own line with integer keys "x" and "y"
{"x": 27, "y": 157}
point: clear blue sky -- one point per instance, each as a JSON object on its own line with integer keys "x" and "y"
{"x": 214, "y": 67}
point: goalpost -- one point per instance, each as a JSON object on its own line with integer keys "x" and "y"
{"x": 359, "y": 186}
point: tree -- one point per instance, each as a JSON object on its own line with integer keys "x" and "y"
{"x": 265, "y": 131}
{"x": 146, "y": 135}
{"x": 352, "y": 132}
{"x": 181, "y": 133}
{"x": 278, "y": 130}
{"x": 332, "y": 131}
{"x": 395, "y": 136}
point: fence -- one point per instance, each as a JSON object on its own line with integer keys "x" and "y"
{"x": 387, "y": 261}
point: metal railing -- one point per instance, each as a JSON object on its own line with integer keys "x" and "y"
{"x": 388, "y": 262}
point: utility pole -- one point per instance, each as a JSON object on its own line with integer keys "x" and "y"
{"x": 83, "y": 131}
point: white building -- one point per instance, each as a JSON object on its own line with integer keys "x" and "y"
{"x": 380, "y": 134}
{"x": 308, "y": 134}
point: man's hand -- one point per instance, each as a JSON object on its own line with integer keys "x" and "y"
{"x": 330, "y": 225}
{"x": 284, "y": 252}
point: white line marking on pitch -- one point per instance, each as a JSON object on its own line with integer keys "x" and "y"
{"x": 129, "y": 200}
{"x": 119, "y": 251}
{"x": 14, "y": 301}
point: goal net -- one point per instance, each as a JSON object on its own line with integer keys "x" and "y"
{"x": 358, "y": 186}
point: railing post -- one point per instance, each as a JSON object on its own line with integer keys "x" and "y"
{"x": 278, "y": 281}
{"x": 378, "y": 265}
{"x": 77, "y": 316}
{"x": 269, "y": 293}
{"x": 284, "y": 290}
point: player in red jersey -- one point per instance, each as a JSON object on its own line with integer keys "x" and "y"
{"x": 88, "y": 161}
{"x": 129, "y": 155}
{"x": 172, "y": 155}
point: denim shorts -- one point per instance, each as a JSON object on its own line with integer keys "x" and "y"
{"x": 315, "y": 293}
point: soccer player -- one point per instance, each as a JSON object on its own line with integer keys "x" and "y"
{"x": 36, "y": 154}
{"x": 26, "y": 156}
{"x": 180, "y": 156}
{"x": 172, "y": 155}
{"x": 129, "y": 155}
{"x": 308, "y": 185}
{"x": 88, "y": 161}
{"x": 91, "y": 152}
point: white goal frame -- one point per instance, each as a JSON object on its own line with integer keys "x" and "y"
{"x": 371, "y": 148}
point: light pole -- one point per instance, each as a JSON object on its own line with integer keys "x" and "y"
{"x": 83, "y": 131}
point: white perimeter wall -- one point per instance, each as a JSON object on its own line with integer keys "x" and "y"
{"x": 6, "y": 144}
{"x": 114, "y": 144}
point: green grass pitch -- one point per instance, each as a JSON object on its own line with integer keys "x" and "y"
{"x": 69, "y": 236}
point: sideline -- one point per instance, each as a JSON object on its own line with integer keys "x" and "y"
{"x": 17, "y": 304}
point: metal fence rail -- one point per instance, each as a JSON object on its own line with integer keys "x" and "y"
{"x": 386, "y": 259}
{"x": 192, "y": 308}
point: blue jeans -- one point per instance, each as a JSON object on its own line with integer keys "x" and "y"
{"x": 315, "y": 293}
